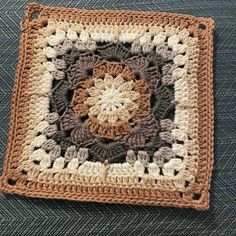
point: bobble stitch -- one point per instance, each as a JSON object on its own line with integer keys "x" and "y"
{"x": 70, "y": 153}
{"x": 67, "y": 45}
{"x": 173, "y": 164}
{"x": 82, "y": 155}
{"x": 161, "y": 48}
{"x": 49, "y": 144}
{"x": 84, "y": 36}
{"x": 168, "y": 69}
{"x": 179, "y": 73}
{"x": 46, "y": 82}
{"x": 91, "y": 46}
{"x": 136, "y": 47}
{"x": 51, "y": 130}
{"x": 146, "y": 38}
{"x": 143, "y": 157}
{"x": 168, "y": 80}
{"x": 53, "y": 41}
{"x": 80, "y": 46}
{"x": 55, "y": 152}
{"x": 155, "y": 30}
{"x": 139, "y": 169}
{"x": 96, "y": 36}
{"x": 72, "y": 35}
{"x": 49, "y": 66}
{"x": 157, "y": 159}
{"x": 60, "y": 50}
{"x": 167, "y": 55}
{"x": 50, "y": 52}
{"x": 153, "y": 170}
{"x": 166, "y": 153}
{"x": 126, "y": 37}
{"x": 60, "y": 34}
{"x": 131, "y": 157}
{"x": 179, "y": 135}
{"x": 180, "y": 60}
{"x": 179, "y": 48}
{"x": 41, "y": 127}
{"x": 159, "y": 39}
{"x": 58, "y": 164}
{"x": 38, "y": 141}
{"x": 180, "y": 150}
{"x": 168, "y": 170}
{"x": 166, "y": 136}
{"x": 73, "y": 165}
{"x": 45, "y": 162}
{"x": 171, "y": 30}
{"x": 106, "y": 37}
{"x": 183, "y": 34}
{"x": 57, "y": 39}
{"x": 52, "y": 117}
{"x": 37, "y": 155}
{"x": 173, "y": 40}
{"x": 59, "y": 64}
{"x": 148, "y": 47}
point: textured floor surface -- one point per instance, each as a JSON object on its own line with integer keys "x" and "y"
{"x": 26, "y": 216}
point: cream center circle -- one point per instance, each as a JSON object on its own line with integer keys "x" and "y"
{"x": 111, "y": 99}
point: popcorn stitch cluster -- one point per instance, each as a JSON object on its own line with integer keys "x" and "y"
{"x": 114, "y": 105}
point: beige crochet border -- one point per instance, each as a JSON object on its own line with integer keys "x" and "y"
{"x": 196, "y": 194}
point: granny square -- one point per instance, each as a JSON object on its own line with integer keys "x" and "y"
{"x": 112, "y": 106}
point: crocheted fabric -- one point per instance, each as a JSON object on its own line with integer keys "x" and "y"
{"x": 112, "y": 106}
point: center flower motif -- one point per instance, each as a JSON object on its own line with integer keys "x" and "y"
{"x": 112, "y": 100}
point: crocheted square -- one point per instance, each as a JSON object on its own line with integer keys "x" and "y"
{"x": 112, "y": 106}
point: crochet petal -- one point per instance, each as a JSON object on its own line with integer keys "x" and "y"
{"x": 82, "y": 68}
{"x": 61, "y": 96}
{"x": 113, "y": 52}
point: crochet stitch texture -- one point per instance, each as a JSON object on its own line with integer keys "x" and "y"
{"x": 112, "y": 106}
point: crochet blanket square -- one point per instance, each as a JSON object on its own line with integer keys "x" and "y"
{"x": 112, "y": 106}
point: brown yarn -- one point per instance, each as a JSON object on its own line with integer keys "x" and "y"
{"x": 114, "y": 69}
{"x": 109, "y": 131}
{"x": 79, "y": 97}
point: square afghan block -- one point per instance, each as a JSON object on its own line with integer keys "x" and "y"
{"x": 112, "y": 106}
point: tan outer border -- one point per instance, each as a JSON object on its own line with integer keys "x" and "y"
{"x": 196, "y": 194}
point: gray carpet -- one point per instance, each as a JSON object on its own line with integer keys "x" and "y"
{"x": 26, "y": 216}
